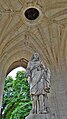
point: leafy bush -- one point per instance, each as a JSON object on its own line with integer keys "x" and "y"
{"x": 16, "y": 97}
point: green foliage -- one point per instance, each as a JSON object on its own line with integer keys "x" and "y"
{"x": 16, "y": 97}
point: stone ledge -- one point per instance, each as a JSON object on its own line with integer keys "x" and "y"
{"x": 38, "y": 116}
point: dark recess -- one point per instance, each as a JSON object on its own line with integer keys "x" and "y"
{"x": 31, "y": 13}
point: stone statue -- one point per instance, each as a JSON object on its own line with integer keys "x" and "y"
{"x": 39, "y": 80}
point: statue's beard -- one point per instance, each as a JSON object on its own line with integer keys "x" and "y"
{"x": 36, "y": 59}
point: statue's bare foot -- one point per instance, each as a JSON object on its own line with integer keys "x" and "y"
{"x": 46, "y": 111}
{"x": 40, "y": 112}
{"x": 33, "y": 111}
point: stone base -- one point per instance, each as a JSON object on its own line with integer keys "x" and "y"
{"x": 38, "y": 116}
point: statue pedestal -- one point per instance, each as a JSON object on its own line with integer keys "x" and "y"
{"x": 38, "y": 116}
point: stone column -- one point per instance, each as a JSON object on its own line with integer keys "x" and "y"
{"x": 0, "y": 112}
{"x": 58, "y": 98}
{"x": 2, "y": 80}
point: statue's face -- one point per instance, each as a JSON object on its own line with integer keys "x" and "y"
{"x": 36, "y": 56}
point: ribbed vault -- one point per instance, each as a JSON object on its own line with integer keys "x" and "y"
{"x": 20, "y": 38}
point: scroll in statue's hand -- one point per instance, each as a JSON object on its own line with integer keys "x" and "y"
{"x": 29, "y": 79}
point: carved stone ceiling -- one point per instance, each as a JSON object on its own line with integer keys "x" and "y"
{"x": 20, "y": 37}
{"x": 46, "y": 35}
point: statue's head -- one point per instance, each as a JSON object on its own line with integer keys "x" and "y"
{"x": 35, "y": 56}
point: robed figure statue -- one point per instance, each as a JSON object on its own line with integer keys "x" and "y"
{"x": 39, "y": 79}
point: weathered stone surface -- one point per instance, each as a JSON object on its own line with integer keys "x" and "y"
{"x": 47, "y": 35}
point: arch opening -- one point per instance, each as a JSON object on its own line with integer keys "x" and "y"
{"x": 22, "y": 62}
{"x": 15, "y": 89}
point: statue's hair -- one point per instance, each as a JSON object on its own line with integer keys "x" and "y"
{"x": 34, "y": 54}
